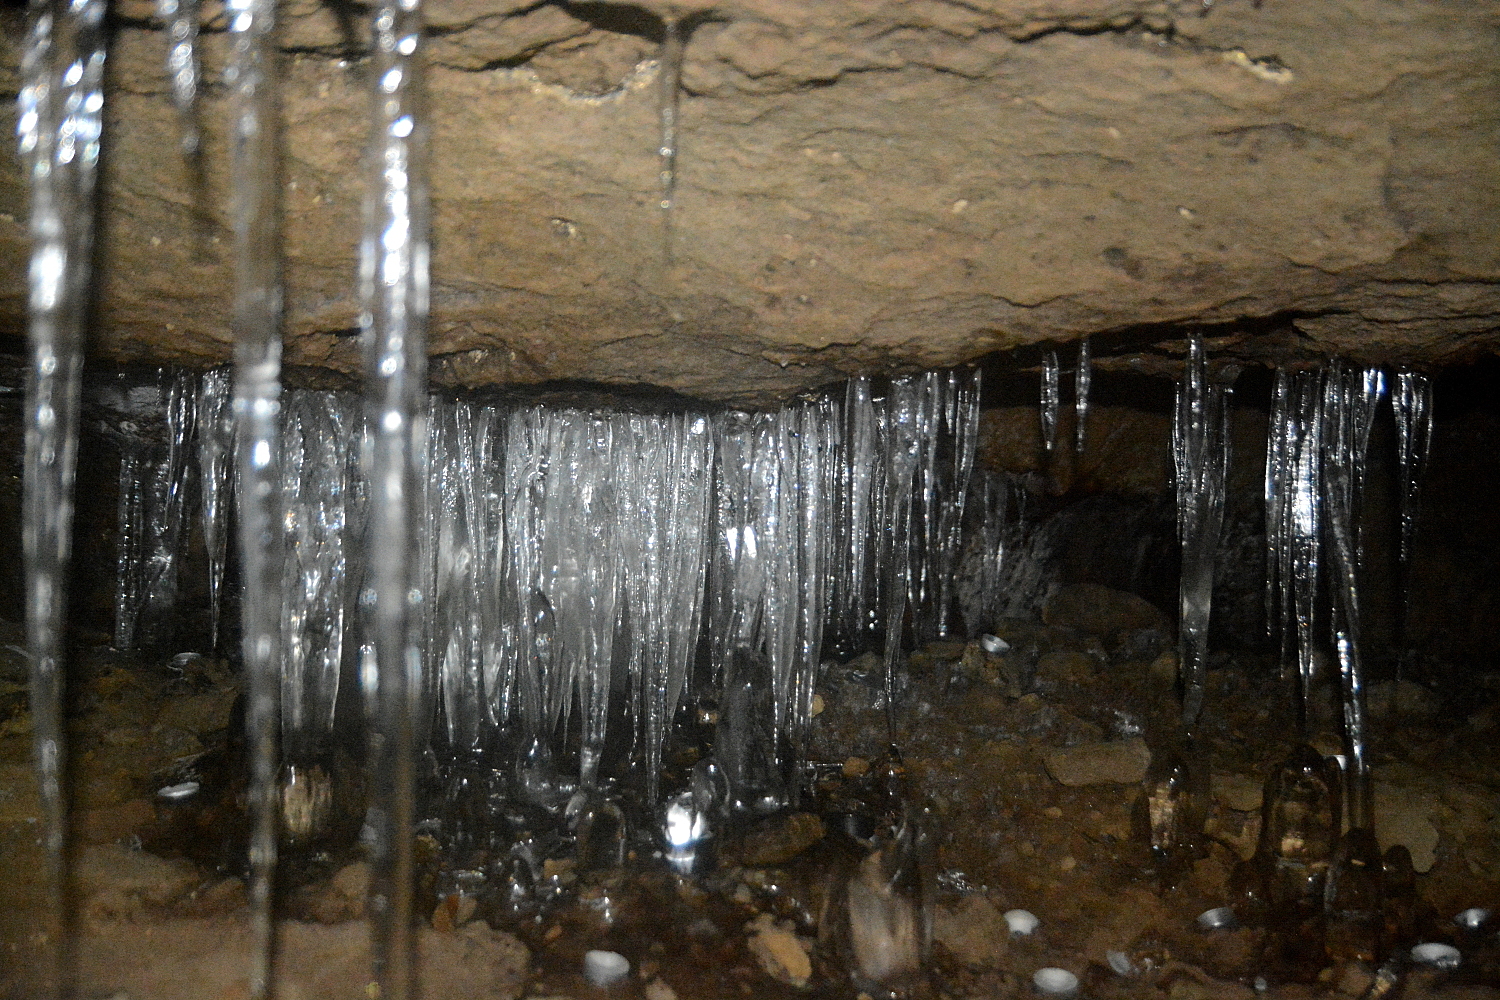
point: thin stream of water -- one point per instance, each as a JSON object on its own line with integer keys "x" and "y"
{"x": 394, "y": 290}
{"x": 181, "y": 19}
{"x": 668, "y": 104}
{"x": 255, "y": 178}
{"x": 59, "y": 128}
{"x": 1083, "y": 379}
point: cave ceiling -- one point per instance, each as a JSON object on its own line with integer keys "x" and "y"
{"x": 863, "y": 186}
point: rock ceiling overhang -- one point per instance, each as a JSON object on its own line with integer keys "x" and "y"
{"x": 864, "y": 185}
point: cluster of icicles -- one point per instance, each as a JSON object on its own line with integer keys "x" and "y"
{"x": 567, "y": 553}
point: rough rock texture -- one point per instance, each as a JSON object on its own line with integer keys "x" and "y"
{"x": 863, "y": 186}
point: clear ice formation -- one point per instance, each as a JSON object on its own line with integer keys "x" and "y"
{"x": 255, "y": 178}
{"x": 573, "y": 559}
{"x": 214, "y": 422}
{"x": 1083, "y": 379}
{"x": 1350, "y": 398}
{"x": 1294, "y": 518}
{"x": 181, "y": 20}
{"x": 156, "y": 474}
{"x": 1051, "y": 400}
{"x": 1200, "y": 452}
{"x": 394, "y": 295}
{"x": 1411, "y": 400}
{"x": 59, "y": 127}
{"x": 1315, "y": 471}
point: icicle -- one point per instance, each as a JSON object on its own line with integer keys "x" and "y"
{"x": 256, "y": 181}
{"x": 1349, "y": 401}
{"x": 1200, "y": 451}
{"x": 1083, "y": 379}
{"x": 181, "y": 20}
{"x": 1412, "y": 402}
{"x": 215, "y": 421}
{"x": 60, "y": 128}
{"x": 1051, "y": 399}
{"x": 1299, "y": 562}
{"x": 1277, "y": 481}
{"x": 317, "y": 488}
{"x": 668, "y": 100}
{"x": 394, "y": 258}
{"x": 901, "y": 455}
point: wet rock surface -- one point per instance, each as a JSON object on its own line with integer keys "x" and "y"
{"x": 1011, "y": 832}
{"x": 861, "y": 187}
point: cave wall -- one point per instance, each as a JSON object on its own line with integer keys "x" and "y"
{"x": 864, "y": 185}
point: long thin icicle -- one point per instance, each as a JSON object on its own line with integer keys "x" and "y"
{"x": 1051, "y": 400}
{"x": 394, "y": 261}
{"x": 1083, "y": 380}
{"x": 1200, "y": 450}
{"x": 1349, "y": 401}
{"x": 256, "y": 182}
{"x": 215, "y": 420}
{"x": 60, "y": 128}
{"x": 1412, "y": 402}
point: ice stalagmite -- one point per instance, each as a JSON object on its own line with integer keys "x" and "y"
{"x": 181, "y": 20}
{"x": 1083, "y": 380}
{"x": 1349, "y": 401}
{"x": 256, "y": 182}
{"x": 1051, "y": 399}
{"x": 60, "y": 128}
{"x": 1200, "y": 451}
{"x": 1412, "y": 402}
{"x": 215, "y": 423}
{"x": 394, "y": 261}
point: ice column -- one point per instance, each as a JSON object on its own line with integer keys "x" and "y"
{"x": 1200, "y": 451}
{"x": 59, "y": 127}
{"x": 394, "y": 259}
{"x": 256, "y": 181}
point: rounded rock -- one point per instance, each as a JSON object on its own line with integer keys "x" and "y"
{"x": 1437, "y": 955}
{"x": 1053, "y": 982}
{"x": 605, "y": 968}
{"x": 1022, "y": 923}
{"x": 1220, "y": 918}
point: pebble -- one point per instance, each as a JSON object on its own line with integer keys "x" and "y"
{"x": 1100, "y": 762}
{"x": 605, "y": 968}
{"x": 779, "y": 952}
{"x": 1055, "y": 982}
{"x": 657, "y": 989}
{"x": 1101, "y": 611}
{"x": 1022, "y": 923}
{"x": 1239, "y": 792}
{"x": 856, "y": 767}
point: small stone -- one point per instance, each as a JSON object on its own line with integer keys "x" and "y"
{"x": 781, "y": 839}
{"x": 974, "y": 931}
{"x": 1068, "y": 863}
{"x": 818, "y": 704}
{"x": 1053, "y": 812}
{"x": 1064, "y": 668}
{"x": 856, "y": 767}
{"x": 1238, "y": 792}
{"x": 1121, "y": 762}
{"x": 1163, "y": 669}
{"x": 779, "y": 952}
{"x": 657, "y": 989}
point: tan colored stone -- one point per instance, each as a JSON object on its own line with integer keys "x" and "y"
{"x": 1100, "y": 762}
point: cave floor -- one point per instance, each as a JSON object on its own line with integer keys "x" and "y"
{"x": 986, "y": 745}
